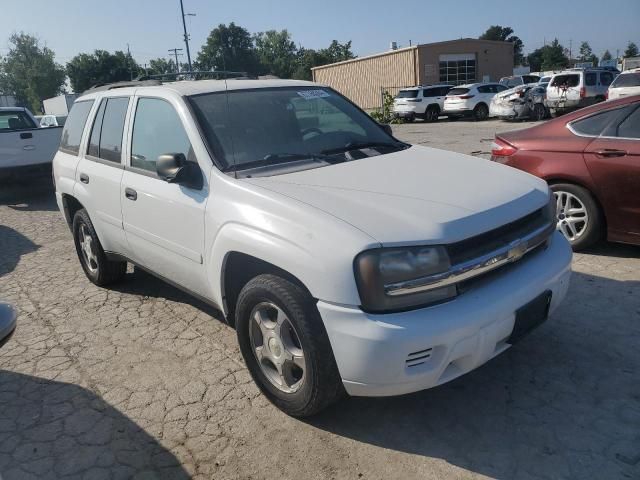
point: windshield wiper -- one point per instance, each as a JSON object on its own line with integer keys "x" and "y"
{"x": 280, "y": 158}
{"x": 358, "y": 145}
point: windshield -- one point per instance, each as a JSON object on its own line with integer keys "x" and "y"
{"x": 272, "y": 126}
{"x": 407, "y": 94}
{"x": 627, "y": 80}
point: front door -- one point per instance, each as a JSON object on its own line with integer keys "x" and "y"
{"x": 163, "y": 222}
{"x": 613, "y": 160}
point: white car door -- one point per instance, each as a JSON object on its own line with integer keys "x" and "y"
{"x": 164, "y": 222}
{"x": 100, "y": 170}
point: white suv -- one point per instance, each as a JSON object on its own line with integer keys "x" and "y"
{"x": 577, "y": 88}
{"x": 625, "y": 84}
{"x": 471, "y": 100}
{"x": 424, "y": 102}
{"x": 345, "y": 259}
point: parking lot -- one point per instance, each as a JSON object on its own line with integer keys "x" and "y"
{"x": 143, "y": 381}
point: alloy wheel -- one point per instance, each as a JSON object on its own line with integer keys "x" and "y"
{"x": 87, "y": 247}
{"x": 277, "y": 348}
{"x": 571, "y": 215}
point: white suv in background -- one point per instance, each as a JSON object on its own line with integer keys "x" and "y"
{"x": 577, "y": 88}
{"x": 625, "y": 84}
{"x": 345, "y": 259}
{"x": 471, "y": 100}
{"x": 425, "y": 102}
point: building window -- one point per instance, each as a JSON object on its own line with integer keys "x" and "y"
{"x": 457, "y": 69}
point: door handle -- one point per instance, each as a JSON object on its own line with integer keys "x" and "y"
{"x": 25, "y": 135}
{"x": 131, "y": 194}
{"x": 84, "y": 178}
{"x": 610, "y": 152}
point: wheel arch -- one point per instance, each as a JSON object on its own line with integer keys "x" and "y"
{"x": 238, "y": 268}
{"x": 70, "y": 205}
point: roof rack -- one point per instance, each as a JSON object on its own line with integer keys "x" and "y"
{"x": 133, "y": 83}
{"x": 155, "y": 80}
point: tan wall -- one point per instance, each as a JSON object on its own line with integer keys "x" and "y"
{"x": 492, "y": 58}
{"x": 360, "y": 80}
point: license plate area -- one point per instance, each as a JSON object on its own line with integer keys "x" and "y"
{"x": 531, "y": 316}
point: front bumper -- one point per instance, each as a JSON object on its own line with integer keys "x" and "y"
{"x": 398, "y": 353}
{"x": 509, "y": 111}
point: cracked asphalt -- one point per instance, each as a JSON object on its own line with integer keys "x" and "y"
{"x": 142, "y": 381}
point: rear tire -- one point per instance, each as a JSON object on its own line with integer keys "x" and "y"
{"x": 98, "y": 269}
{"x": 431, "y": 114}
{"x": 481, "y": 112}
{"x": 306, "y": 385}
{"x": 578, "y": 215}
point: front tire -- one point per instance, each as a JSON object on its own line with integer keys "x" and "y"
{"x": 578, "y": 215}
{"x": 539, "y": 112}
{"x": 285, "y": 346}
{"x": 98, "y": 269}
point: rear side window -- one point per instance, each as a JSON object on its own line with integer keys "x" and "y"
{"x": 606, "y": 78}
{"x": 630, "y": 126}
{"x": 499, "y": 88}
{"x": 627, "y": 80}
{"x": 73, "y": 128}
{"x": 106, "y": 134}
{"x": 157, "y": 130}
{"x": 15, "y": 120}
{"x": 595, "y": 124}
{"x": 590, "y": 78}
{"x": 567, "y": 81}
{"x": 407, "y": 94}
{"x": 486, "y": 89}
{"x": 530, "y": 79}
{"x": 430, "y": 92}
{"x": 444, "y": 91}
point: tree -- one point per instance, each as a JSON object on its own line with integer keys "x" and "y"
{"x": 307, "y": 58}
{"x": 337, "y": 52}
{"x": 276, "y": 52}
{"x": 549, "y": 57}
{"x": 86, "y": 70}
{"x": 29, "y": 72}
{"x": 504, "y": 34}
{"x": 160, "y": 66}
{"x": 587, "y": 55}
{"x": 228, "y": 48}
{"x": 631, "y": 51}
{"x": 606, "y": 55}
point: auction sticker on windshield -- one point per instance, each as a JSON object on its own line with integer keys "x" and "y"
{"x": 311, "y": 94}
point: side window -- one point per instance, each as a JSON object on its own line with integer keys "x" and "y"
{"x": 94, "y": 139}
{"x": 500, "y": 88}
{"x": 484, "y": 89}
{"x": 594, "y": 124}
{"x": 606, "y": 78}
{"x": 630, "y": 126}
{"x": 590, "y": 78}
{"x": 429, "y": 92}
{"x": 157, "y": 130}
{"x": 112, "y": 129}
{"x": 73, "y": 128}
{"x": 444, "y": 91}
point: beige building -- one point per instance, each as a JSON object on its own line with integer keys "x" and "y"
{"x": 456, "y": 62}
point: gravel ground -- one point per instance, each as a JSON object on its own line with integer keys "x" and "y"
{"x": 142, "y": 381}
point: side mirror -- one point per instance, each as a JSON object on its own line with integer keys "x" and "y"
{"x": 387, "y": 128}
{"x": 174, "y": 168}
{"x": 7, "y": 322}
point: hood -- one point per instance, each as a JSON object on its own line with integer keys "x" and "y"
{"x": 417, "y": 195}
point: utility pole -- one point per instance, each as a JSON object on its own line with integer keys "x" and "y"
{"x": 129, "y": 63}
{"x": 186, "y": 35}
{"x": 570, "y": 45}
{"x": 175, "y": 52}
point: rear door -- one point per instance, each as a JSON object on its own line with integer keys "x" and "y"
{"x": 164, "y": 222}
{"x": 613, "y": 159}
{"x": 100, "y": 170}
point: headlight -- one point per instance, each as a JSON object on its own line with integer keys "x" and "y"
{"x": 384, "y": 277}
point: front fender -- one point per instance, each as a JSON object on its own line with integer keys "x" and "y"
{"x": 327, "y": 279}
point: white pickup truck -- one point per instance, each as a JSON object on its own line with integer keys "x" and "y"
{"x": 346, "y": 260}
{"x": 25, "y": 148}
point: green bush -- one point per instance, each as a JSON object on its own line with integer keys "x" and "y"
{"x": 385, "y": 114}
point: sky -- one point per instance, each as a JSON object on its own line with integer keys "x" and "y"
{"x": 151, "y": 27}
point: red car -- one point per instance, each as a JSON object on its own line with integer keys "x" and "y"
{"x": 591, "y": 160}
